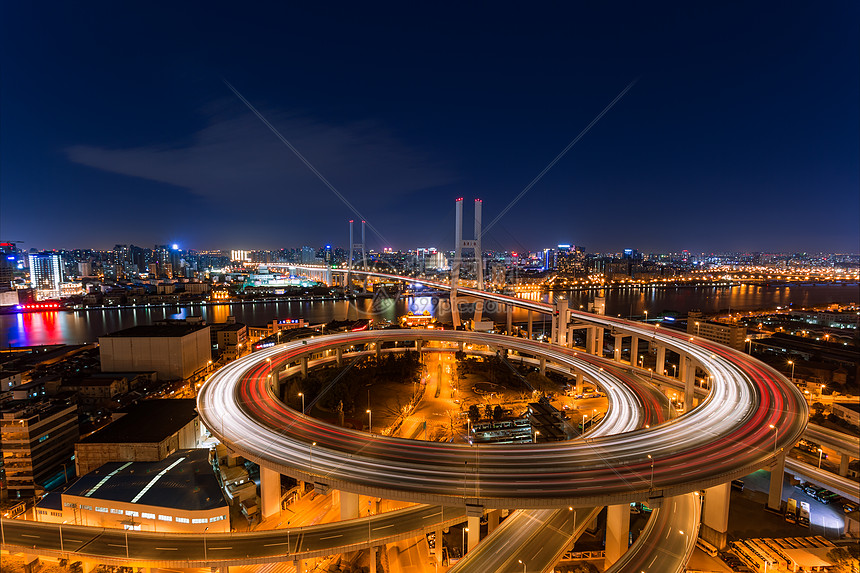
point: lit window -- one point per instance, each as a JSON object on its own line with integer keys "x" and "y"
{"x": 147, "y": 515}
{"x": 165, "y": 518}
{"x": 216, "y": 518}
{"x": 182, "y": 520}
{"x": 101, "y": 509}
{"x": 131, "y": 513}
{"x": 117, "y": 511}
{"x": 203, "y": 520}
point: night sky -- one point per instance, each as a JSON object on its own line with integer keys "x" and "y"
{"x": 740, "y": 133}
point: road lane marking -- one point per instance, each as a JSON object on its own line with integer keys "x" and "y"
{"x": 164, "y": 548}
{"x": 116, "y": 545}
{"x": 28, "y": 535}
{"x": 432, "y": 515}
{"x": 216, "y": 548}
{"x": 274, "y": 544}
{"x": 383, "y": 527}
{"x": 330, "y": 537}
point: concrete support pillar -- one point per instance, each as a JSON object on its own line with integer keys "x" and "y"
{"x": 438, "y": 550}
{"x": 509, "y": 318}
{"x": 616, "y": 353}
{"x": 597, "y": 343}
{"x": 493, "y": 520}
{"x": 276, "y": 383}
{"x": 474, "y": 534}
{"x": 634, "y": 351}
{"x": 374, "y": 557}
{"x": 715, "y": 517}
{"x": 378, "y": 347}
{"x": 580, "y": 378}
{"x": 843, "y": 465}
{"x": 530, "y": 325}
{"x": 419, "y": 346}
{"x": 777, "y": 473}
{"x": 592, "y": 525}
{"x": 660, "y": 367}
{"x": 270, "y": 491}
{"x": 543, "y": 366}
{"x": 339, "y": 353}
{"x": 617, "y": 532}
{"x": 348, "y": 505}
{"x": 299, "y": 564}
{"x": 462, "y": 346}
{"x": 689, "y": 377}
{"x": 589, "y": 339}
{"x": 304, "y": 366}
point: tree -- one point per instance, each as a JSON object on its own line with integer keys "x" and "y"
{"x": 474, "y": 413}
{"x": 498, "y": 413}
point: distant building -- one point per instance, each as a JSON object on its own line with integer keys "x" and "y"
{"x": 731, "y": 335}
{"x": 179, "y": 494}
{"x": 36, "y": 439}
{"x": 148, "y": 431}
{"x": 46, "y": 274}
{"x": 95, "y": 390}
{"x": 8, "y": 260}
{"x": 173, "y": 351}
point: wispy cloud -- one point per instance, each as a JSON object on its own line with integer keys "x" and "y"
{"x": 237, "y": 156}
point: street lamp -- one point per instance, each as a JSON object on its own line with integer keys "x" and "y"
{"x": 370, "y": 421}
{"x": 820, "y": 451}
{"x": 791, "y": 362}
{"x": 641, "y": 361}
{"x": 584, "y": 417}
{"x": 775, "y": 434}
{"x": 646, "y": 316}
{"x": 205, "y": 551}
{"x": 674, "y": 371}
{"x": 302, "y": 396}
{"x": 697, "y": 328}
{"x": 749, "y": 345}
{"x": 465, "y": 530}
{"x": 523, "y": 564}
{"x": 536, "y": 435}
{"x": 312, "y": 457}
{"x": 651, "y": 487}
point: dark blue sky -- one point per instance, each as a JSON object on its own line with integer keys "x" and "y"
{"x": 740, "y": 134}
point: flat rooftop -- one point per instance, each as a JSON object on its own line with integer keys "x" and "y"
{"x": 148, "y": 421}
{"x": 157, "y": 331}
{"x": 184, "y": 480}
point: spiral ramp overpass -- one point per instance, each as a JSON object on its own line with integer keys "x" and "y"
{"x": 750, "y": 417}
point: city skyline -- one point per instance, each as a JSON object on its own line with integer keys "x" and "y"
{"x": 738, "y": 134}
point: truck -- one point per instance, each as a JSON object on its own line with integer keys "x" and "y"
{"x": 791, "y": 510}
{"x": 803, "y": 514}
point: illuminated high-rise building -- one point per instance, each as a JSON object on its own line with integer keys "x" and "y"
{"x": 46, "y": 273}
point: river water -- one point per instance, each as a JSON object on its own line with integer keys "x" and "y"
{"x": 81, "y": 326}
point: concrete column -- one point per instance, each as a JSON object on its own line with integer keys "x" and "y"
{"x": 299, "y": 565}
{"x": 419, "y": 345}
{"x": 304, "y": 366}
{"x": 530, "y": 325}
{"x": 374, "y": 557}
{"x": 543, "y": 366}
{"x": 439, "y": 543}
{"x": 689, "y": 377}
{"x": 616, "y": 354}
{"x": 474, "y": 535}
{"x": 634, "y": 351}
{"x": 339, "y": 353}
{"x": 617, "y": 532}
{"x": 580, "y": 378}
{"x": 270, "y": 491}
{"x": 348, "y": 505}
{"x": 598, "y": 341}
{"x": 462, "y": 346}
{"x": 660, "y": 367}
{"x": 509, "y": 324}
{"x": 843, "y": 465}
{"x": 777, "y": 472}
{"x": 493, "y": 520}
{"x": 589, "y": 339}
{"x": 378, "y": 347}
{"x": 715, "y": 517}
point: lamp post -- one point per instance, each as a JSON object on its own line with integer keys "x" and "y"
{"x": 791, "y": 362}
{"x": 523, "y": 564}
{"x": 820, "y": 451}
{"x": 641, "y": 361}
{"x": 465, "y": 530}
{"x": 674, "y": 371}
{"x": 646, "y": 316}
{"x": 775, "y": 434}
{"x": 651, "y": 486}
{"x": 749, "y": 345}
{"x": 302, "y": 396}
{"x": 312, "y": 457}
{"x": 697, "y": 328}
{"x": 370, "y": 421}
{"x": 205, "y": 550}
{"x": 584, "y": 417}
{"x": 536, "y": 435}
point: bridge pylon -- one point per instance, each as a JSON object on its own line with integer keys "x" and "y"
{"x": 461, "y": 245}
{"x": 353, "y": 247}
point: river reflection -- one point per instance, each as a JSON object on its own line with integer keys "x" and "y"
{"x": 75, "y": 327}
